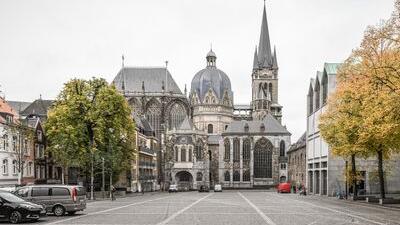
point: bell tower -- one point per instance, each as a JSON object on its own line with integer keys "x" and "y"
{"x": 265, "y": 77}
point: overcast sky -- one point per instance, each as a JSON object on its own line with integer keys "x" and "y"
{"x": 43, "y": 44}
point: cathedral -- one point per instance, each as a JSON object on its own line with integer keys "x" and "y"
{"x": 205, "y": 138}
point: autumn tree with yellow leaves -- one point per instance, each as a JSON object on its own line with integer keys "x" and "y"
{"x": 363, "y": 116}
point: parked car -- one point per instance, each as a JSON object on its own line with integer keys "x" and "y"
{"x": 57, "y": 199}
{"x": 217, "y": 188}
{"x": 283, "y": 188}
{"x": 204, "y": 188}
{"x": 15, "y": 209}
{"x": 173, "y": 188}
{"x": 8, "y": 189}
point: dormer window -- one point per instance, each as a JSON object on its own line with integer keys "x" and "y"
{"x": 39, "y": 135}
{"x": 262, "y": 127}
{"x": 9, "y": 119}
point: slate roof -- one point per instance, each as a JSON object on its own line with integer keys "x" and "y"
{"x": 38, "y": 107}
{"x": 214, "y": 139}
{"x": 153, "y": 77}
{"x": 186, "y": 124}
{"x": 19, "y": 106}
{"x": 300, "y": 143}
{"x": 143, "y": 124}
{"x": 272, "y": 126}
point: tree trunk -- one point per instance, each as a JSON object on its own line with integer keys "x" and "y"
{"x": 380, "y": 173}
{"x": 62, "y": 175}
{"x": 353, "y": 174}
{"x": 91, "y": 142}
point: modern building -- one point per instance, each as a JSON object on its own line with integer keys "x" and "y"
{"x": 297, "y": 162}
{"x": 326, "y": 172}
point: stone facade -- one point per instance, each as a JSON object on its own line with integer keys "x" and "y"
{"x": 297, "y": 162}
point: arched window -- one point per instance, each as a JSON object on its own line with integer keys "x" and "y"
{"x": 153, "y": 115}
{"x": 270, "y": 91}
{"x": 324, "y": 88}
{"x": 5, "y": 166}
{"x": 310, "y": 101}
{"x": 236, "y": 175}
{"x": 14, "y": 163}
{"x": 190, "y": 154}
{"x": 227, "y": 146}
{"x": 176, "y": 154}
{"x": 176, "y": 115}
{"x": 236, "y": 150}
{"x": 199, "y": 176}
{"x": 14, "y": 143}
{"x": 227, "y": 176}
{"x": 5, "y": 142}
{"x": 199, "y": 150}
{"x": 246, "y": 175}
{"x": 282, "y": 148}
{"x": 246, "y": 127}
{"x": 263, "y": 158}
{"x": 183, "y": 154}
{"x": 246, "y": 149}
{"x": 210, "y": 128}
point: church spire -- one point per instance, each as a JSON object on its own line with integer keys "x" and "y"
{"x": 264, "y": 47}
{"x": 255, "y": 60}
{"x": 275, "y": 61}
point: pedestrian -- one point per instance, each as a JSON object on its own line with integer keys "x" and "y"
{"x": 113, "y": 193}
{"x": 142, "y": 191}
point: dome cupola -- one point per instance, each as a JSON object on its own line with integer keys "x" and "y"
{"x": 211, "y": 80}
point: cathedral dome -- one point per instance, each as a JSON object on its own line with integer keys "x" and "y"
{"x": 211, "y": 78}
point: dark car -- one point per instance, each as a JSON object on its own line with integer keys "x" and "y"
{"x": 204, "y": 188}
{"x": 15, "y": 209}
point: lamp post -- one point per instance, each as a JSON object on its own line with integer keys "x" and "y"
{"x": 111, "y": 130}
{"x": 103, "y": 187}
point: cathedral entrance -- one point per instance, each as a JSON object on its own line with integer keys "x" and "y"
{"x": 184, "y": 180}
{"x": 263, "y": 162}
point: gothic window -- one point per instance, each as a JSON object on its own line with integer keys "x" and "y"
{"x": 317, "y": 95}
{"x": 227, "y": 176}
{"x": 199, "y": 176}
{"x": 176, "y": 154}
{"x": 183, "y": 154}
{"x": 236, "y": 175}
{"x": 236, "y": 150}
{"x": 246, "y": 175}
{"x": 246, "y": 149}
{"x": 270, "y": 91}
{"x": 176, "y": 115}
{"x": 135, "y": 106}
{"x": 190, "y": 154}
{"x": 153, "y": 115}
{"x": 210, "y": 128}
{"x": 282, "y": 148}
{"x": 227, "y": 147}
{"x": 207, "y": 100}
{"x": 263, "y": 159}
{"x": 199, "y": 150}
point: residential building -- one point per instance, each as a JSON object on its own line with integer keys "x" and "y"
{"x": 297, "y": 162}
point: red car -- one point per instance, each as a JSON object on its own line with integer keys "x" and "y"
{"x": 283, "y": 188}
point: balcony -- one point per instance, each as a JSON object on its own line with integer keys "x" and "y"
{"x": 146, "y": 177}
{"x": 147, "y": 164}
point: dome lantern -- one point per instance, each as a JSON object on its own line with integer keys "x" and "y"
{"x": 211, "y": 59}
